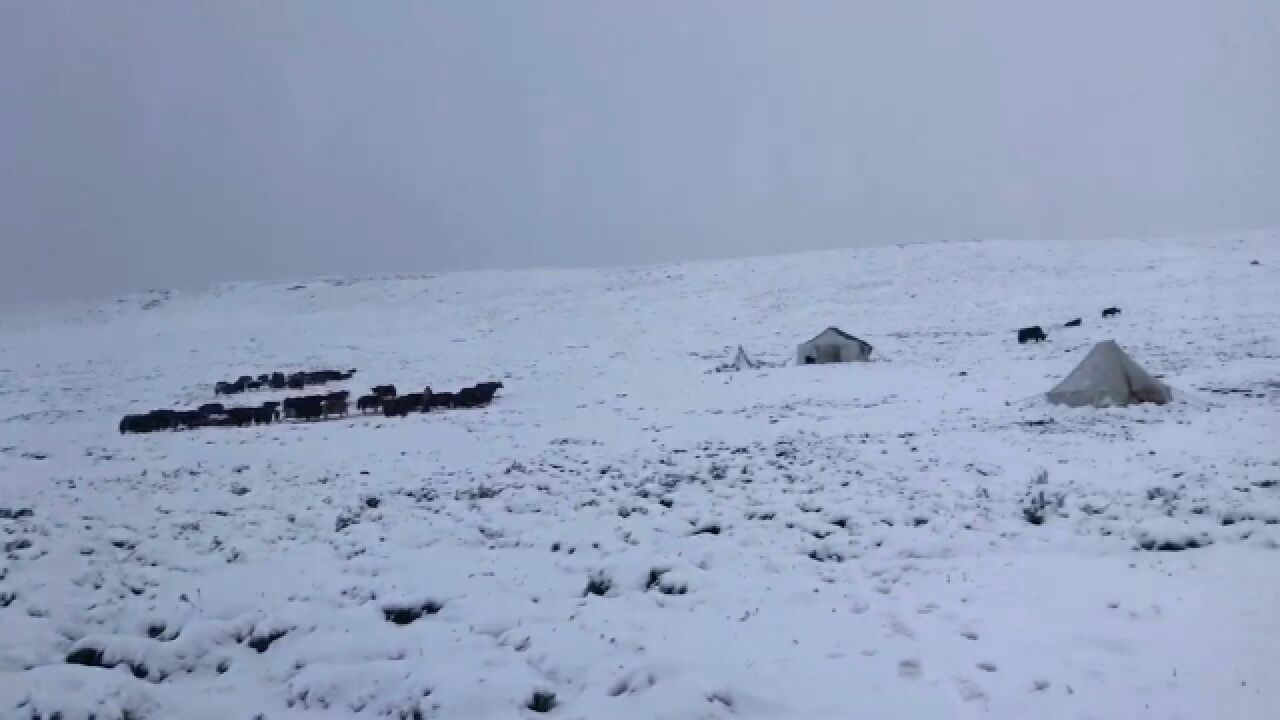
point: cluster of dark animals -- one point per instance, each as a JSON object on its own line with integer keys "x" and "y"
{"x": 386, "y": 399}
{"x": 1037, "y": 334}
{"x": 309, "y": 407}
{"x": 280, "y": 381}
{"x": 208, "y": 415}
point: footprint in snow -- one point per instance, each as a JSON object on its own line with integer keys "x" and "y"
{"x": 910, "y": 669}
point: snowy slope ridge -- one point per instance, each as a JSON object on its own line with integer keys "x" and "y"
{"x": 623, "y": 534}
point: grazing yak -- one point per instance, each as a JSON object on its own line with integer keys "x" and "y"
{"x": 161, "y": 420}
{"x": 397, "y": 406}
{"x": 335, "y": 403}
{"x": 489, "y": 389}
{"x": 1027, "y": 334}
{"x": 273, "y": 407}
{"x": 241, "y": 416}
{"x": 476, "y": 396}
{"x": 384, "y": 391}
{"x": 311, "y": 407}
{"x": 368, "y": 402}
{"x": 212, "y": 409}
{"x": 136, "y": 424}
{"x": 277, "y": 381}
{"x": 1073, "y": 323}
{"x": 468, "y": 398}
{"x": 1110, "y": 312}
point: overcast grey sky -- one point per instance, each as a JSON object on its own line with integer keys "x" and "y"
{"x": 174, "y": 143}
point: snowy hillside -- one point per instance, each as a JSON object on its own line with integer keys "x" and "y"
{"x": 624, "y": 534}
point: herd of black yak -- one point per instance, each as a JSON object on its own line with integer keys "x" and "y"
{"x": 280, "y": 381}
{"x": 383, "y": 398}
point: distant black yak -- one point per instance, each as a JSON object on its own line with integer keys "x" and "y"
{"x": 1027, "y": 334}
{"x": 1110, "y": 312}
{"x": 311, "y": 407}
{"x": 273, "y": 407}
{"x": 335, "y": 404}
{"x": 136, "y": 424}
{"x": 1074, "y": 323}
{"x": 397, "y": 406}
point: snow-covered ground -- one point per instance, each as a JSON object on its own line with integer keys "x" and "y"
{"x": 624, "y": 534}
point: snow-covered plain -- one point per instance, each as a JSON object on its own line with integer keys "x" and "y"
{"x": 624, "y": 534}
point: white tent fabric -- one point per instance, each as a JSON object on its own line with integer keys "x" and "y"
{"x": 832, "y": 345}
{"x": 1108, "y": 377}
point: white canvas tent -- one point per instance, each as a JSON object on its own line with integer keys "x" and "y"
{"x": 1108, "y": 377}
{"x": 832, "y": 345}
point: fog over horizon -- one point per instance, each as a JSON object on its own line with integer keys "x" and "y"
{"x": 149, "y": 145}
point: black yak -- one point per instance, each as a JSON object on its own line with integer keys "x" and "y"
{"x": 397, "y": 406}
{"x": 274, "y": 408}
{"x": 136, "y": 424}
{"x": 335, "y": 404}
{"x": 311, "y": 407}
{"x": 1034, "y": 332}
{"x": 241, "y": 416}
